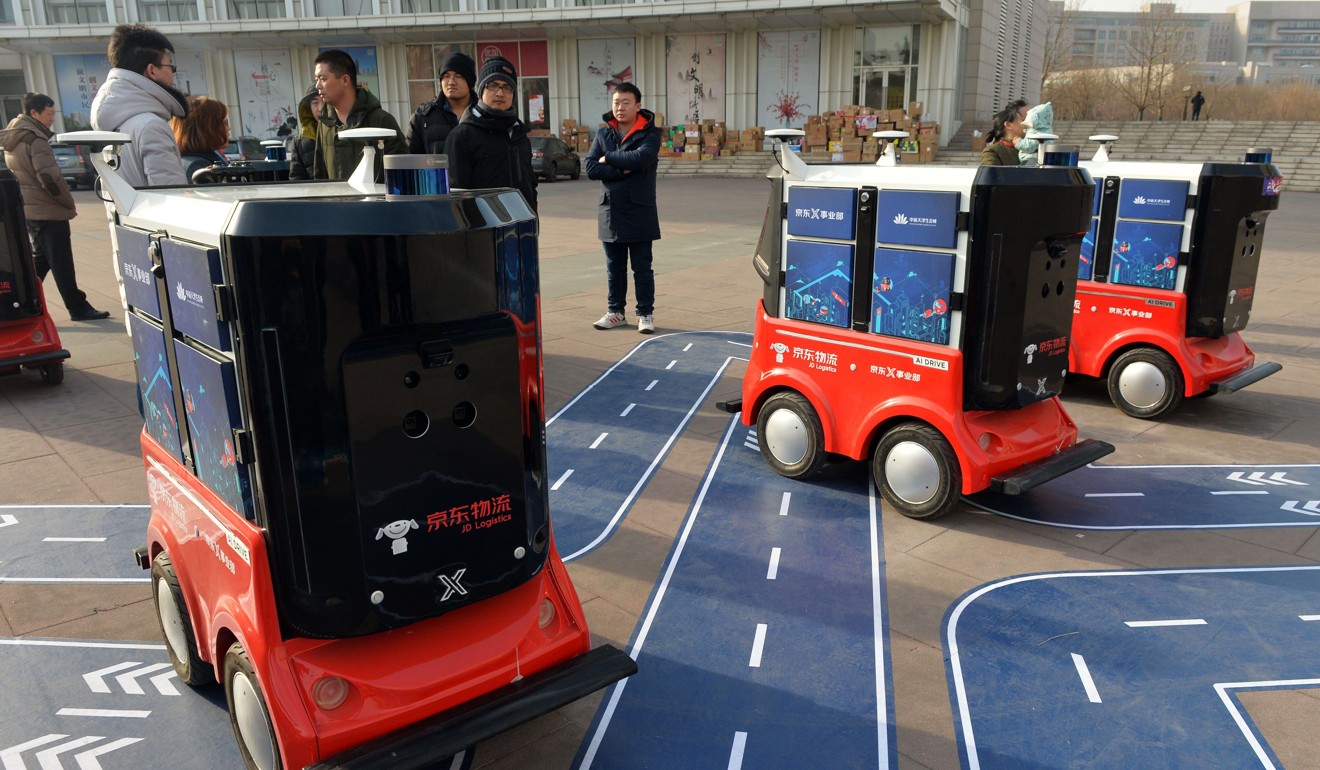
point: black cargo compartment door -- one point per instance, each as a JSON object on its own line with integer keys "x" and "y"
{"x": 435, "y": 428}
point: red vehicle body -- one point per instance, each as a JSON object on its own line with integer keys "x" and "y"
{"x": 28, "y": 337}
{"x": 943, "y": 368}
{"x": 1172, "y": 330}
{"x": 398, "y": 678}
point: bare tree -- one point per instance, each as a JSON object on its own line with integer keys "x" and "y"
{"x": 1059, "y": 26}
{"x": 1159, "y": 49}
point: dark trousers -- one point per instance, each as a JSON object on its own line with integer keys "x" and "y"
{"x": 52, "y": 252}
{"x": 617, "y": 255}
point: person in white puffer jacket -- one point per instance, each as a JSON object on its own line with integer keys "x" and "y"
{"x": 138, "y": 98}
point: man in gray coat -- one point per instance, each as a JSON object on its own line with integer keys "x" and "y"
{"x": 138, "y": 98}
{"x": 47, "y": 204}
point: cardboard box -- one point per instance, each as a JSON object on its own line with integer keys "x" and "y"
{"x": 914, "y": 109}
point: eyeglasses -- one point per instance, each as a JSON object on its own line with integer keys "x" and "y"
{"x": 173, "y": 67}
{"x": 499, "y": 87}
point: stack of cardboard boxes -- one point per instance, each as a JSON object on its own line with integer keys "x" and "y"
{"x": 845, "y": 135}
{"x": 578, "y": 138}
{"x": 708, "y": 140}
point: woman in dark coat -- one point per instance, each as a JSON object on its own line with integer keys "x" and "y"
{"x": 302, "y": 150}
{"x": 623, "y": 158}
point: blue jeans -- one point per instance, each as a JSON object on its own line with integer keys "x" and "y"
{"x": 616, "y": 267}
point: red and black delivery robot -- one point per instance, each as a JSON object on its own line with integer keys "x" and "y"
{"x": 28, "y": 337}
{"x": 918, "y": 318}
{"x": 1168, "y": 278}
{"x": 345, "y": 453}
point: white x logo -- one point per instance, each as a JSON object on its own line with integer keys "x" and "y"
{"x": 452, "y": 585}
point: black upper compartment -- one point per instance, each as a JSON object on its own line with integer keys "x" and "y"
{"x": 1026, "y": 231}
{"x": 389, "y": 353}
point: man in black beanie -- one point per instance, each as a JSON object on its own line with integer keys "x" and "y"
{"x": 489, "y": 147}
{"x": 434, "y": 120}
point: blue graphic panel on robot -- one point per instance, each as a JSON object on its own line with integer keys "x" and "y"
{"x": 910, "y": 294}
{"x": 210, "y": 400}
{"x": 1145, "y": 254}
{"x": 818, "y": 277}
{"x": 912, "y": 218}
{"x": 191, "y": 271}
{"x": 1161, "y": 199}
{"x": 157, "y": 393}
{"x": 135, "y": 267}
{"x": 822, "y": 212}
{"x": 1086, "y": 264}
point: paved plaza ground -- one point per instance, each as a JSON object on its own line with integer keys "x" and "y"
{"x": 78, "y": 444}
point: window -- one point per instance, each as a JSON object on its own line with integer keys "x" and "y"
{"x": 256, "y": 9}
{"x": 167, "y": 10}
{"x": 76, "y": 12}
{"x": 343, "y": 8}
{"x": 429, "y": 6}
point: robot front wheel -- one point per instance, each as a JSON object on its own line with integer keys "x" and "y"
{"x": 172, "y": 613}
{"x": 1146, "y": 383}
{"x": 916, "y": 471}
{"x": 248, "y": 714}
{"x": 790, "y": 435}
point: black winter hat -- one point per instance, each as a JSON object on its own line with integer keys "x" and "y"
{"x": 462, "y": 64}
{"x": 497, "y": 68}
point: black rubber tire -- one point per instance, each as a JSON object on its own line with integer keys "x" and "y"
{"x": 947, "y": 486}
{"x": 813, "y": 457}
{"x": 189, "y": 666}
{"x": 1172, "y": 388}
{"x": 553, "y": 174}
{"x": 241, "y": 682}
{"x": 52, "y": 374}
{"x": 576, "y": 173}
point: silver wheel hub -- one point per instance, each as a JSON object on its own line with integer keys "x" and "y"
{"x": 1142, "y": 384}
{"x": 171, "y": 620}
{"x": 253, "y": 724}
{"x": 786, "y": 436}
{"x": 912, "y": 473}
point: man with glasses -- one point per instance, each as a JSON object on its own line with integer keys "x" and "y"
{"x": 489, "y": 147}
{"x": 347, "y": 105}
{"x": 138, "y": 98}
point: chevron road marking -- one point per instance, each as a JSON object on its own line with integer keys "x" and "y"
{"x": 7, "y": 519}
{"x": 128, "y": 681}
{"x": 1258, "y": 478}
{"x": 48, "y": 759}
{"x": 1308, "y": 507}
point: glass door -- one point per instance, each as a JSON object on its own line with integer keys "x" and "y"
{"x": 883, "y": 89}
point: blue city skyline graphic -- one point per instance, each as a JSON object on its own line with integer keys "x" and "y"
{"x": 818, "y": 278}
{"x": 210, "y": 396}
{"x": 154, "y": 384}
{"x": 910, "y": 294}
{"x": 1145, "y": 254}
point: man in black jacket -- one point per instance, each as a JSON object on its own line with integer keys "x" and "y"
{"x": 624, "y": 156}
{"x": 489, "y": 147}
{"x": 433, "y": 121}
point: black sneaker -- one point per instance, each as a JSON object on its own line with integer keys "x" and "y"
{"x": 89, "y": 313}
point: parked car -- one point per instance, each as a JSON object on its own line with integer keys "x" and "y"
{"x": 75, "y": 166}
{"x": 244, "y": 148}
{"x": 551, "y": 157}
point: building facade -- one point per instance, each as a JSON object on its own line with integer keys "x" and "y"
{"x": 745, "y": 62}
{"x": 1268, "y": 42}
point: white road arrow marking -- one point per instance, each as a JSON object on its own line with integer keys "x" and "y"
{"x": 6, "y": 519}
{"x": 87, "y": 759}
{"x": 10, "y": 759}
{"x": 1279, "y": 477}
{"x": 96, "y": 679}
{"x": 1238, "y": 476}
{"x": 162, "y": 682}
{"x": 128, "y": 681}
{"x": 49, "y": 759}
{"x": 1309, "y": 507}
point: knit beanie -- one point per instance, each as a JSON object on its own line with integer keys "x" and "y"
{"x": 497, "y": 68}
{"x": 462, "y": 64}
